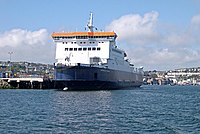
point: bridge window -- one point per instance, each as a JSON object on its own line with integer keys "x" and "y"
{"x": 86, "y": 48}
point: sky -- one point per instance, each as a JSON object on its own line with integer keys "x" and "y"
{"x": 156, "y": 34}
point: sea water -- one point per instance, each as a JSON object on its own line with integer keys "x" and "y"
{"x": 149, "y": 109}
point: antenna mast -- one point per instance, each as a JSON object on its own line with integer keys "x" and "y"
{"x": 90, "y": 23}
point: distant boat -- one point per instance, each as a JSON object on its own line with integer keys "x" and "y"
{"x": 92, "y": 61}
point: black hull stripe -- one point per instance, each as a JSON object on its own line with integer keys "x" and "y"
{"x": 93, "y": 85}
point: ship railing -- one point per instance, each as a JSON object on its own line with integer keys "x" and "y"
{"x": 138, "y": 70}
{"x": 83, "y": 65}
{"x": 93, "y": 65}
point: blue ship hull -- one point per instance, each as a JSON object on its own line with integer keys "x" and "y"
{"x": 94, "y": 78}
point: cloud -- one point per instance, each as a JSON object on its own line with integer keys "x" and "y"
{"x": 164, "y": 58}
{"x": 185, "y": 36}
{"x": 20, "y": 37}
{"x": 33, "y": 46}
{"x": 135, "y": 28}
{"x": 154, "y": 45}
{"x": 196, "y": 20}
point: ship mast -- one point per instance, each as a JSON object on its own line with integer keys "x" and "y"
{"x": 90, "y": 23}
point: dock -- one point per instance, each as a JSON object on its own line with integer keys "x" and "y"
{"x": 29, "y": 83}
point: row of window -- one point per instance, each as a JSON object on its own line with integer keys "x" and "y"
{"x": 83, "y": 49}
{"x": 82, "y": 37}
{"x": 81, "y": 42}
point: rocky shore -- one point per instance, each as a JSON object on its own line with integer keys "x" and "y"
{"x": 5, "y": 85}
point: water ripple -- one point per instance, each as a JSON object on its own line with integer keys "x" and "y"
{"x": 150, "y": 109}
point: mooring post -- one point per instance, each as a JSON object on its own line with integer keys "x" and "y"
{"x": 17, "y": 85}
{"x": 31, "y": 84}
{"x": 40, "y": 85}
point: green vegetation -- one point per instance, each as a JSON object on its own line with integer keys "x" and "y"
{"x": 26, "y": 69}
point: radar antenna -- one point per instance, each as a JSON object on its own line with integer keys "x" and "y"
{"x": 90, "y": 23}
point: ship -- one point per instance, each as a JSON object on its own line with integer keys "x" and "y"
{"x": 91, "y": 60}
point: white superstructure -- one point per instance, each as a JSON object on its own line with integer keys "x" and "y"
{"x": 90, "y": 48}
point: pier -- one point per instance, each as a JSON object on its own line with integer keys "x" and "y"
{"x": 29, "y": 83}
